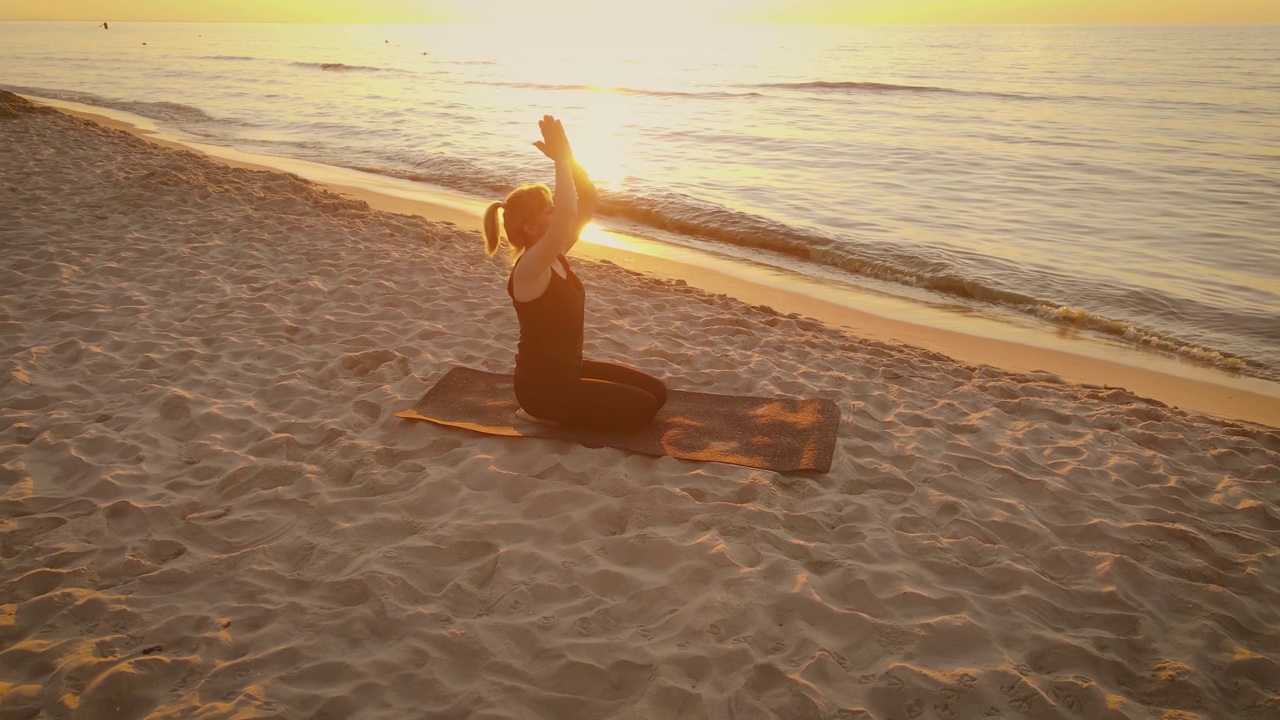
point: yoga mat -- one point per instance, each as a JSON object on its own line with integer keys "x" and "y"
{"x": 780, "y": 434}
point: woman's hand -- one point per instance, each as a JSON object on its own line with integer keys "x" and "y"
{"x": 531, "y": 275}
{"x": 554, "y": 143}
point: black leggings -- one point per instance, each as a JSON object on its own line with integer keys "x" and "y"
{"x": 606, "y": 396}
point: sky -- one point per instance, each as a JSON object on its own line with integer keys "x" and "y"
{"x": 910, "y": 12}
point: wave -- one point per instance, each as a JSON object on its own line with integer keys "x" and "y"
{"x": 446, "y": 171}
{"x": 922, "y": 268}
{"x": 625, "y": 90}
{"x": 932, "y": 273}
{"x": 163, "y": 111}
{"x": 857, "y": 87}
{"x": 676, "y": 215}
{"x": 830, "y": 85}
{"x": 324, "y": 66}
{"x": 689, "y": 217}
{"x": 167, "y": 111}
{"x": 343, "y": 67}
{"x": 1068, "y": 316}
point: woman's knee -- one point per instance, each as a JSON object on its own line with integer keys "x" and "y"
{"x": 615, "y": 406}
{"x": 659, "y": 391}
{"x": 626, "y": 375}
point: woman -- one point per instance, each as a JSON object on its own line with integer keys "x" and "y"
{"x": 552, "y": 380}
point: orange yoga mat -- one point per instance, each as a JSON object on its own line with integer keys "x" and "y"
{"x": 781, "y": 434}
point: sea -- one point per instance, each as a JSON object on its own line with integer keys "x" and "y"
{"x": 1117, "y": 181}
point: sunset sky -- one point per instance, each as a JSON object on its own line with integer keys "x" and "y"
{"x": 771, "y": 11}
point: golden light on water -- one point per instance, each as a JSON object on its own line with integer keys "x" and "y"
{"x": 575, "y": 16}
{"x": 598, "y": 76}
{"x": 601, "y": 146}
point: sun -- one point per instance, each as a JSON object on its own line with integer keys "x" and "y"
{"x": 575, "y": 15}
{"x": 602, "y": 143}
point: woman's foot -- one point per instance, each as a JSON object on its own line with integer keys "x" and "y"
{"x": 520, "y": 413}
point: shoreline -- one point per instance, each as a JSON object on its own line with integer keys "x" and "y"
{"x": 1179, "y": 383}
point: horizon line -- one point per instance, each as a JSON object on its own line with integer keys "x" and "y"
{"x": 99, "y": 21}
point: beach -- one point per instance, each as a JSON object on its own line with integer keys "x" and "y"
{"x": 209, "y": 509}
{"x": 1179, "y": 382}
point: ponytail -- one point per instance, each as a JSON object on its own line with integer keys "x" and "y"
{"x": 522, "y": 204}
{"x": 491, "y": 228}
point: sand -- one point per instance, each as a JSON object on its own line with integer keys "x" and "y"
{"x": 209, "y": 511}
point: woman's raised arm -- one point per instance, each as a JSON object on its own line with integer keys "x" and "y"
{"x": 588, "y": 197}
{"x": 535, "y": 265}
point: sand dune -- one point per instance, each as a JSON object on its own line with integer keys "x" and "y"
{"x": 208, "y": 510}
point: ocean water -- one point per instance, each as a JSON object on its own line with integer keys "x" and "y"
{"x": 1122, "y": 181}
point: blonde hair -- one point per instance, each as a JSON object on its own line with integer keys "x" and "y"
{"x": 522, "y": 205}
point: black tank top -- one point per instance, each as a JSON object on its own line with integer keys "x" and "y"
{"x": 551, "y": 326}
